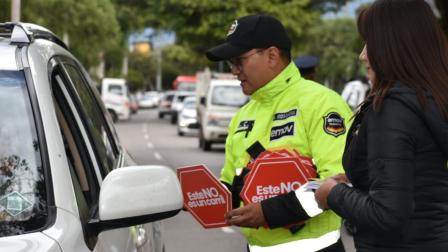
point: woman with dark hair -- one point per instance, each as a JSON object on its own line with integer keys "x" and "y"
{"x": 396, "y": 155}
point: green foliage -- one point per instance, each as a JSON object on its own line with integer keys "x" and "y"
{"x": 442, "y": 6}
{"x": 142, "y": 70}
{"x": 201, "y": 24}
{"x": 338, "y": 45}
{"x": 5, "y": 11}
{"x": 91, "y": 25}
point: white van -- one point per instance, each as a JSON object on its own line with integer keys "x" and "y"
{"x": 115, "y": 95}
{"x": 215, "y": 110}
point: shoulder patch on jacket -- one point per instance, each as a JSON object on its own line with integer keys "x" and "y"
{"x": 334, "y": 124}
{"x": 278, "y": 132}
{"x": 285, "y": 115}
{"x": 246, "y": 125}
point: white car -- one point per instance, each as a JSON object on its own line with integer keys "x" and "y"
{"x": 66, "y": 183}
{"x": 187, "y": 122}
{"x": 149, "y": 100}
{"x": 177, "y": 103}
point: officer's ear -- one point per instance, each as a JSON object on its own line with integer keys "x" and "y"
{"x": 274, "y": 56}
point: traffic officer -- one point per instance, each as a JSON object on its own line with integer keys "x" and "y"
{"x": 307, "y": 66}
{"x": 285, "y": 111}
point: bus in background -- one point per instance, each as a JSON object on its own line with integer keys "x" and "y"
{"x": 185, "y": 83}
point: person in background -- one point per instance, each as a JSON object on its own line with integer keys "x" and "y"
{"x": 285, "y": 111}
{"x": 307, "y": 66}
{"x": 397, "y": 148}
{"x": 356, "y": 91}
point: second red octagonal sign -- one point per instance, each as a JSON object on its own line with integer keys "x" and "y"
{"x": 273, "y": 176}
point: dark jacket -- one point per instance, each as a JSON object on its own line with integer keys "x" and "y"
{"x": 396, "y": 160}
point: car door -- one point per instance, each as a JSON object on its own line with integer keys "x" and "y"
{"x": 93, "y": 152}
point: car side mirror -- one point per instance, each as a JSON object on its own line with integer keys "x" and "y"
{"x": 135, "y": 195}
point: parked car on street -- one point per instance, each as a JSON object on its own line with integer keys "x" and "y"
{"x": 187, "y": 122}
{"x": 66, "y": 182}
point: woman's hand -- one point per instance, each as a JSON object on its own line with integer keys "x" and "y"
{"x": 321, "y": 194}
{"x": 250, "y": 215}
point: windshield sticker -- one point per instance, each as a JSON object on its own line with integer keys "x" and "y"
{"x": 278, "y": 132}
{"x": 15, "y": 204}
{"x": 285, "y": 115}
{"x": 334, "y": 124}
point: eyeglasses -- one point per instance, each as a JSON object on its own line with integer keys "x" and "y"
{"x": 238, "y": 61}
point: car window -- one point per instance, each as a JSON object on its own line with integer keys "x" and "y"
{"x": 95, "y": 122}
{"x": 186, "y": 86}
{"x": 169, "y": 97}
{"x": 228, "y": 96}
{"x": 116, "y": 89}
{"x": 190, "y": 104}
{"x": 23, "y": 206}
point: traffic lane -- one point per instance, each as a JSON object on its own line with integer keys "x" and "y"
{"x": 153, "y": 141}
{"x": 166, "y": 146}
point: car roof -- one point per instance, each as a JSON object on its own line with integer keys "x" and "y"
{"x": 15, "y": 35}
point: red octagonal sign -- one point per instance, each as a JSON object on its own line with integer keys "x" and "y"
{"x": 270, "y": 177}
{"x": 204, "y": 196}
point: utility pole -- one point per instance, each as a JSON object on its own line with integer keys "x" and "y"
{"x": 159, "y": 69}
{"x": 15, "y": 10}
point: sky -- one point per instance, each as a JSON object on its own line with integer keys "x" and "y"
{"x": 349, "y": 10}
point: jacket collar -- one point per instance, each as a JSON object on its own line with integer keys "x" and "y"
{"x": 277, "y": 85}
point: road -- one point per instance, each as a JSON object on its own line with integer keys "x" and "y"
{"x": 151, "y": 140}
{"x": 154, "y": 141}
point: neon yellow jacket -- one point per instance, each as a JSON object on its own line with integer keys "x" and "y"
{"x": 294, "y": 113}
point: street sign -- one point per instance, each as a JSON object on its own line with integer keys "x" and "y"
{"x": 205, "y": 197}
{"x": 273, "y": 175}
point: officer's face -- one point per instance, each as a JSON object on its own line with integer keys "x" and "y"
{"x": 365, "y": 59}
{"x": 250, "y": 68}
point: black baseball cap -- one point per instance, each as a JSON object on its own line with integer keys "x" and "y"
{"x": 249, "y": 32}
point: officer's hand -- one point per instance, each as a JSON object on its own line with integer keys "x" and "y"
{"x": 250, "y": 215}
{"x": 321, "y": 194}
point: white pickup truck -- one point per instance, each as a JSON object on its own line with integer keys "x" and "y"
{"x": 219, "y": 96}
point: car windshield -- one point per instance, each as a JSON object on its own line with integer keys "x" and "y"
{"x": 186, "y": 86}
{"x": 190, "y": 104}
{"x": 116, "y": 89}
{"x": 228, "y": 96}
{"x": 23, "y": 205}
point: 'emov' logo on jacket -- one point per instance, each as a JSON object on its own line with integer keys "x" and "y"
{"x": 334, "y": 124}
{"x": 278, "y": 132}
{"x": 285, "y": 115}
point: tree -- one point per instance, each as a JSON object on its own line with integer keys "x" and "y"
{"x": 91, "y": 25}
{"x": 442, "y": 6}
{"x": 142, "y": 69}
{"x": 200, "y": 24}
{"x": 338, "y": 45}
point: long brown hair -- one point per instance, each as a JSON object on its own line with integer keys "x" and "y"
{"x": 405, "y": 43}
